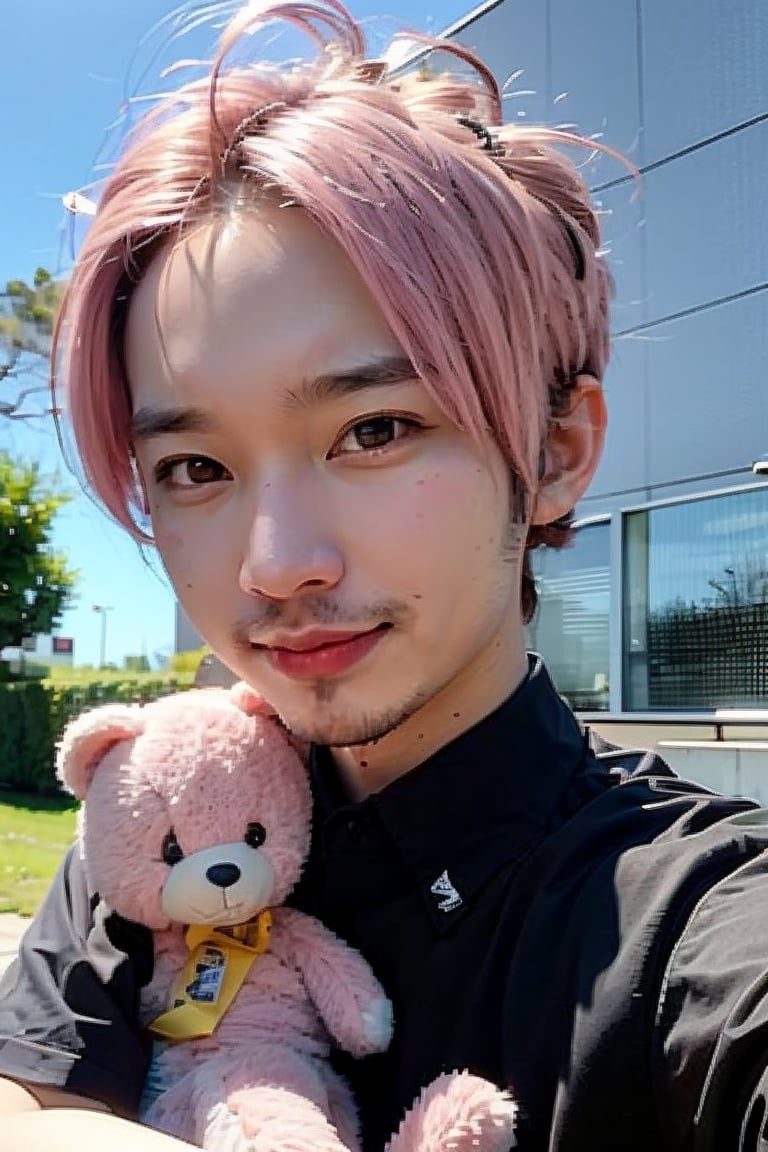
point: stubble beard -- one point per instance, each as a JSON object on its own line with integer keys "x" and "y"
{"x": 362, "y": 729}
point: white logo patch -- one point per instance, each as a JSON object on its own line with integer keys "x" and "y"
{"x": 447, "y": 896}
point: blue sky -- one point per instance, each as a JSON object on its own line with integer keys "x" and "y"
{"x": 65, "y": 68}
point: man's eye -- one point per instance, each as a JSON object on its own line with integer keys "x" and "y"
{"x": 190, "y": 471}
{"x": 374, "y": 432}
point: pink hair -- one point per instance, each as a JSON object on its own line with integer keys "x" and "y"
{"x": 480, "y": 249}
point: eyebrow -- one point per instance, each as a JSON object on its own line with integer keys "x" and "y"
{"x": 149, "y": 422}
{"x": 387, "y": 371}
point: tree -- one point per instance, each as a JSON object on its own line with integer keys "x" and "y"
{"x": 27, "y": 316}
{"x": 36, "y": 582}
{"x": 182, "y": 663}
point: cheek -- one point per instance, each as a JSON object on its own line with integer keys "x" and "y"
{"x": 177, "y": 558}
{"x": 453, "y": 520}
{"x": 168, "y": 534}
{"x": 193, "y": 559}
{"x": 132, "y": 891}
{"x": 167, "y": 540}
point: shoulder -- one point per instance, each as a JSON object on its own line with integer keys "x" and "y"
{"x": 711, "y": 1023}
{"x": 634, "y": 950}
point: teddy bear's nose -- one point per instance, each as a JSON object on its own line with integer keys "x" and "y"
{"x": 223, "y": 875}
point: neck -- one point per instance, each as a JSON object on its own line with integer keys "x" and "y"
{"x": 465, "y": 701}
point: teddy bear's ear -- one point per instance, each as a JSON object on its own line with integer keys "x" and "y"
{"x": 88, "y": 738}
{"x": 253, "y": 704}
{"x": 249, "y": 701}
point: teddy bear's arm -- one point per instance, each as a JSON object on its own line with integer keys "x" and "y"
{"x": 340, "y": 983}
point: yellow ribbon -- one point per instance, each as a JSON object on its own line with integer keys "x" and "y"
{"x": 218, "y": 964}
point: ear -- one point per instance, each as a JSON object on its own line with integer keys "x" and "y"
{"x": 572, "y": 452}
{"x": 249, "y": 701}
{"x": 88, "y": 738}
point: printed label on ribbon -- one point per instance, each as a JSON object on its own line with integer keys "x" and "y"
{"x": 213, "y": 975}
{"x": 210, "y": 965}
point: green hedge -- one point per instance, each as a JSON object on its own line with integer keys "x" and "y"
{"x": 34, "y": 715}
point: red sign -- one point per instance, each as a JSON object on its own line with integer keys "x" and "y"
{"x": 63, "y": 645}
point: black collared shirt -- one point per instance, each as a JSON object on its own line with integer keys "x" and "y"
{"x": 420, "y": 877}
{"x": 592, "y": 939}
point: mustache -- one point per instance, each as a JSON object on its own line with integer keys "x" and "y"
{"x": 316, "y": 611}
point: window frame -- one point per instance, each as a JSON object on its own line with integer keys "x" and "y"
{"x": 600, "y": 519}
{"x": 619, "y": 708}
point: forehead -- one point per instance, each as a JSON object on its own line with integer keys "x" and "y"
{"x": 261, "y": 297}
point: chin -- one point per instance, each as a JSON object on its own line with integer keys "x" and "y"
{"x": 350, "y": 727}
{"x": 332, "y": 734}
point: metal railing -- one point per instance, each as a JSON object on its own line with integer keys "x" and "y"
{"x": 718, "y": 720}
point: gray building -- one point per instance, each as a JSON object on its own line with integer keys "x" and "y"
{"x": 662, "y": 602}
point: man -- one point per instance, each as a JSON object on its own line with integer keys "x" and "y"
{"x": 340, "y": 337}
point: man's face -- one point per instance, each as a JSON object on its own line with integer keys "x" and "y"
{"x": 338, "y": 542}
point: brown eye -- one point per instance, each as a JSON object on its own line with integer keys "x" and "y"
{"x": 201, "y": 470}
{"x": 186, "y": 472}
{"x": 375, "y": 434}
{"x": 255, "y": 835}
{"x": 171, "y": 851}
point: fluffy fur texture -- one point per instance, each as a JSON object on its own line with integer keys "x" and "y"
{"x": 199, "y": 770}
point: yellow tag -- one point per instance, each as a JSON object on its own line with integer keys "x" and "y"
{"x": 218, "y": 964}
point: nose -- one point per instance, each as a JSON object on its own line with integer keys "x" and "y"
{"x": 223, "y": 875}
{"x": 288, "y": 550}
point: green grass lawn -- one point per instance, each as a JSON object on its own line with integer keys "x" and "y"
{"x": 34, "y": 834}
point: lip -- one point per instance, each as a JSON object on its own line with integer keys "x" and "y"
{"x": 320, "y": 654}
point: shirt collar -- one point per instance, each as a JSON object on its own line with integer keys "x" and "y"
{"x": 481, "y": 801}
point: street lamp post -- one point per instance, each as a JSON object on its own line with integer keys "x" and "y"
{"x": 102, "y": 609}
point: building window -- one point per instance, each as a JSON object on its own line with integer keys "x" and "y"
{"x": 571, "y": 625}
{"x": 696, "y": 604}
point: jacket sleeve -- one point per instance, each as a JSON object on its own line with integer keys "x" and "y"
{"x": 713, "y": 1014}
{"x": 69, "y": 1001}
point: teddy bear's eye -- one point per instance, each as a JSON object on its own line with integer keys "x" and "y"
{"x": 255, "y": 835}
{"x": 171, "y": 852}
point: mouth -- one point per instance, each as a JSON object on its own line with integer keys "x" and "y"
{"x": 219, "y": 916}
{"x": 320, "y": 654}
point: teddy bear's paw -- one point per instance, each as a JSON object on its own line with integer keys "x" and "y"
{"x": 273, "y": 1119}
{"x": 224, "y": 1132}
{"x": 378, "y": 1024}
{"x": 458, "y": 1112}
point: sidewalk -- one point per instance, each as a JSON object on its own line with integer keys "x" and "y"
{"x": 11, "y": 930}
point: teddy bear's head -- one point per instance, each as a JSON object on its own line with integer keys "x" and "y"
{"x": 196, "y": 807}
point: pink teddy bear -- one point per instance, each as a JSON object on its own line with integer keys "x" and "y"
{"x": 197, "y": 813}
